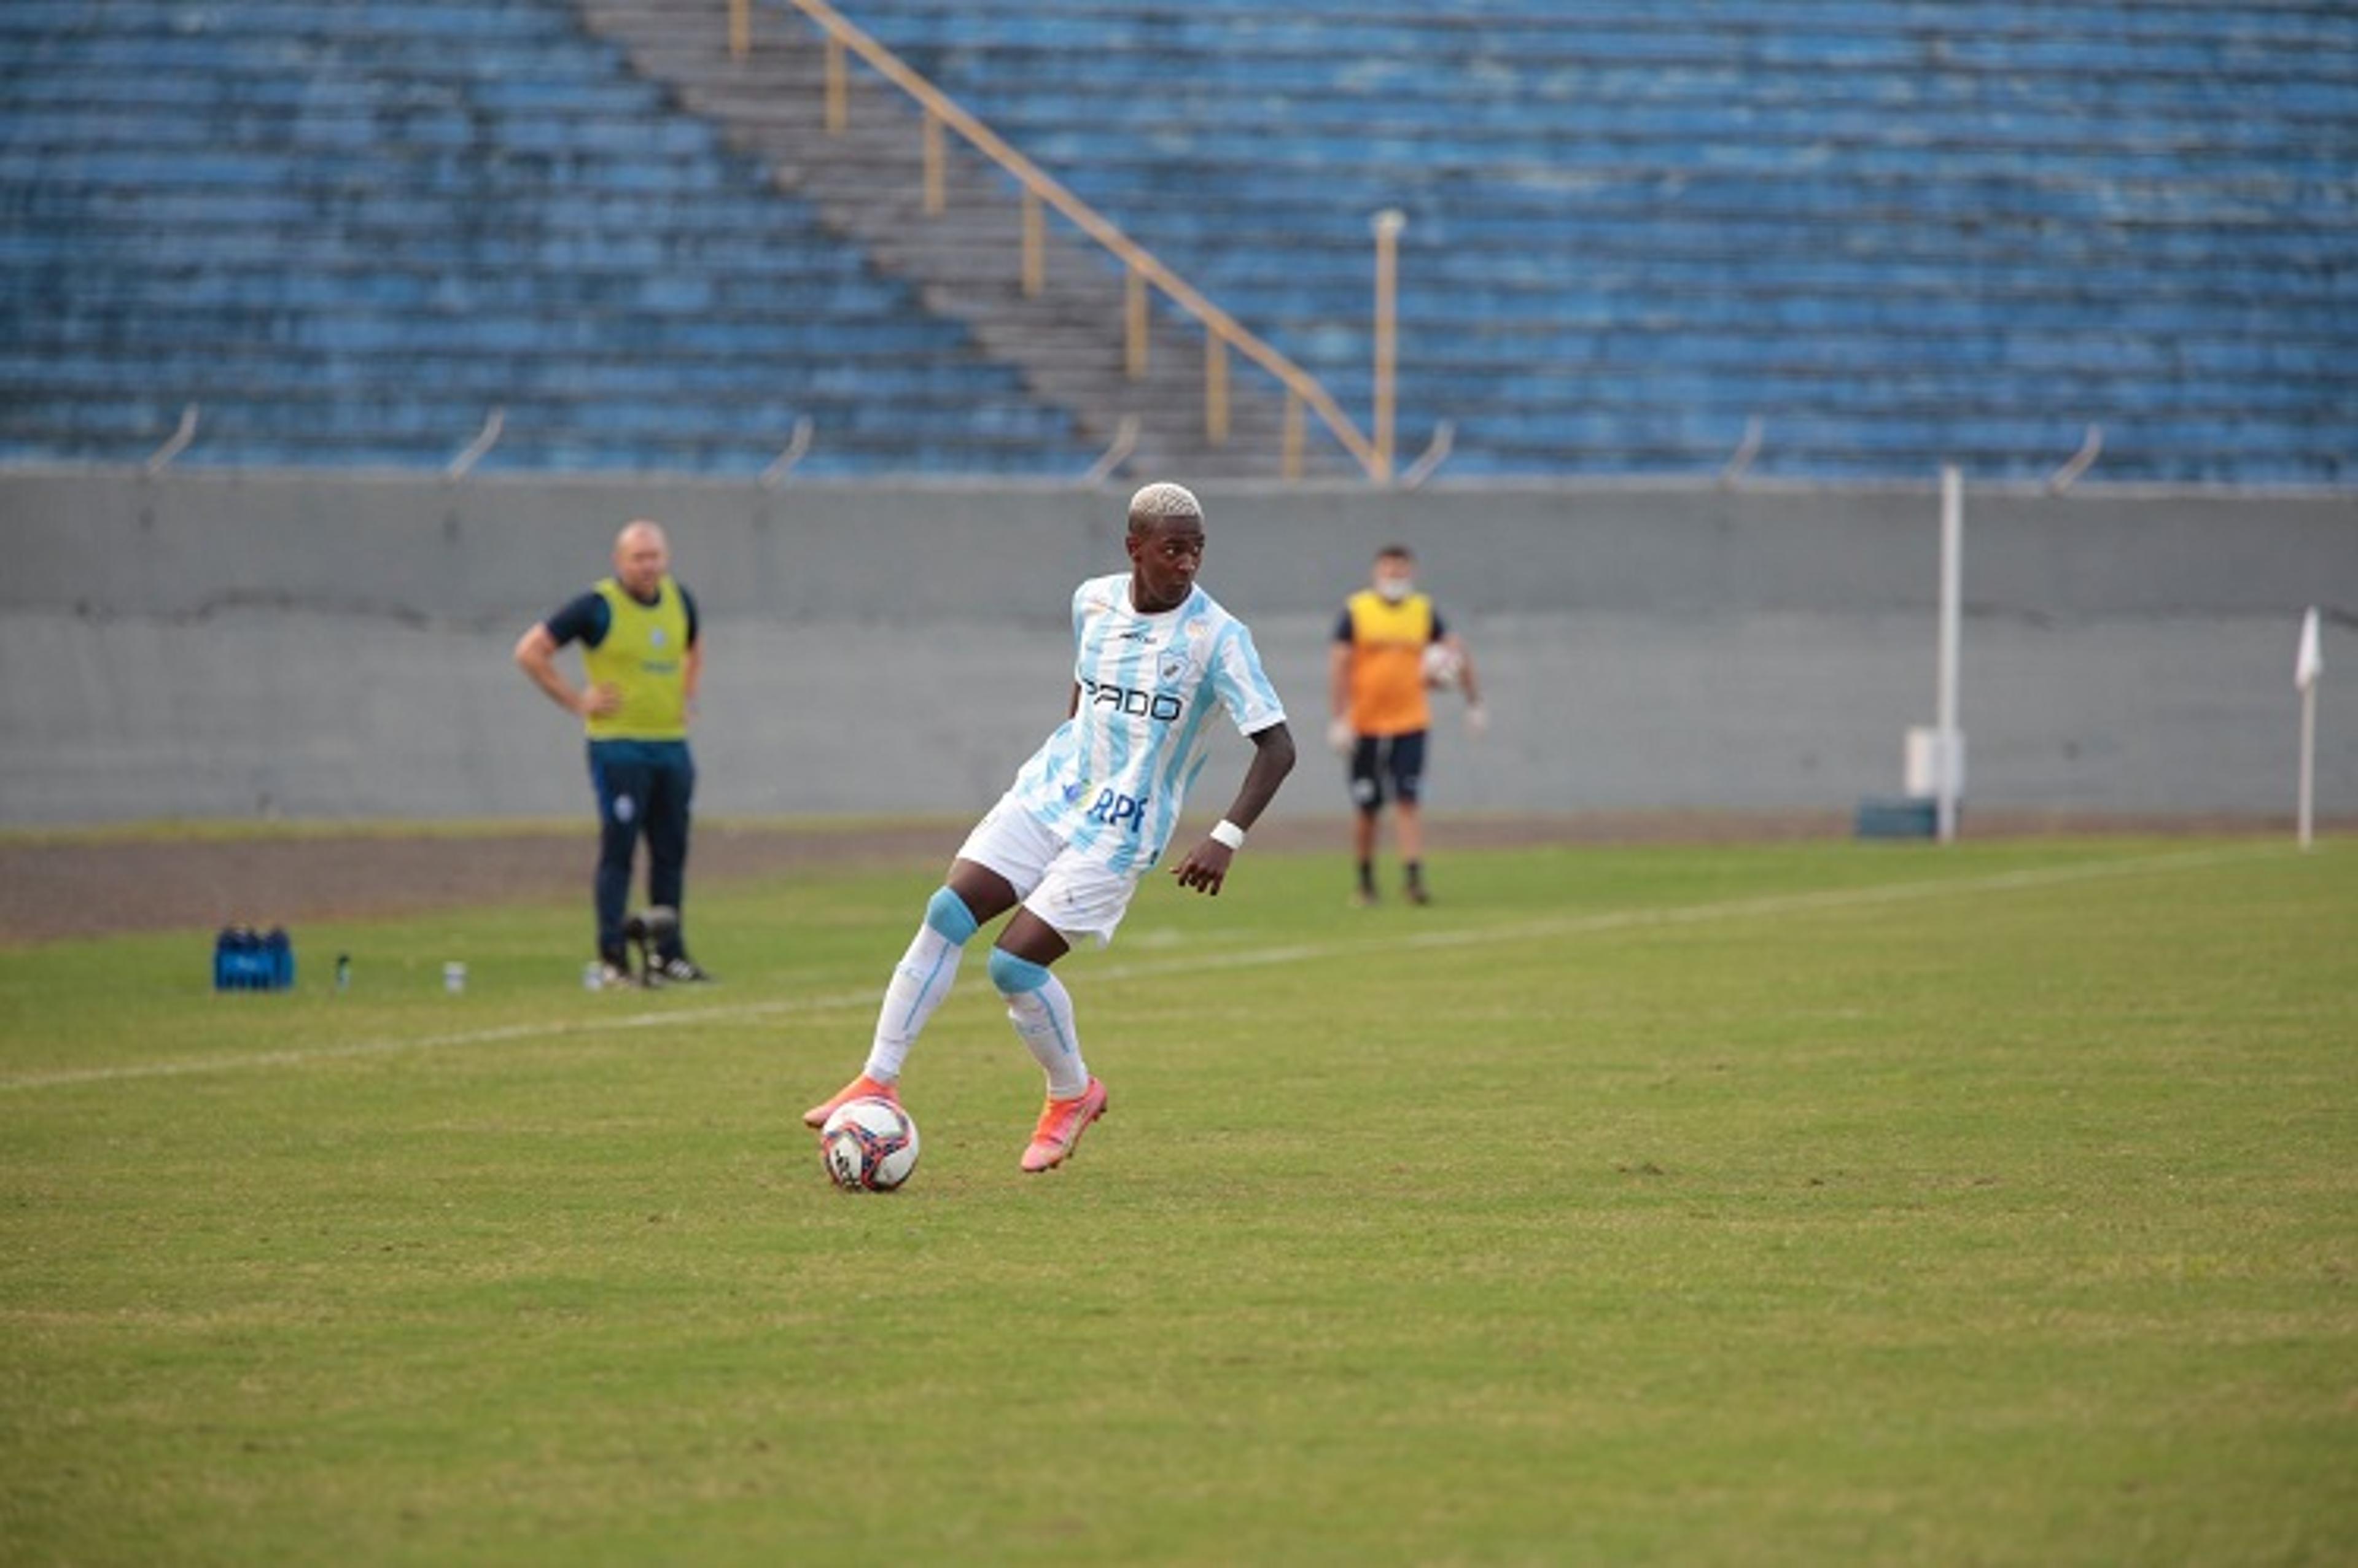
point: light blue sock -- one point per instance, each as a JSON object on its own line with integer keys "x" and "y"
{"x": 1042, "y": 1011}
{"x": 920, "y": 981}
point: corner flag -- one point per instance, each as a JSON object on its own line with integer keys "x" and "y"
{"x": 2308, "y": 664}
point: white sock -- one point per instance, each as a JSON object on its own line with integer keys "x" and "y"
{"x": 1043, "y": 1017}
{"x": 920, "y": 981}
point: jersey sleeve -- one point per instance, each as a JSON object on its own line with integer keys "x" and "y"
{"x": 1342, "y": 626}
{"x": 1243, "y": 688}
{"x": 1440, "y": 627}
{"x": 1080, "y": 624}
{"x": 583, "y": 620}
{"x": 688, "y": 604}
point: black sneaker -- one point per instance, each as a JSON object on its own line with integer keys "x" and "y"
{"x": 681, "y": 969}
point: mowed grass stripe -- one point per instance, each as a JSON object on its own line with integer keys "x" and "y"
{"x": 1499, "y": 934}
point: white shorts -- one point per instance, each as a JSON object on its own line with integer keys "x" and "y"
{"x": 1075, "y": 895}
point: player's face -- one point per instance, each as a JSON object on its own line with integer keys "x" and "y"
{"x": 640, "y": 558}
{"x": 1164, "y": 561}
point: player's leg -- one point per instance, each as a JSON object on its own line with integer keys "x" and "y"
{"x": 1368, "y": 804}
{"x": 1407, "y": 824}
{"x": 1001, "y": 859}
{"x": 1042, "y": 1011}
{"x": 972, "y": 897}
{"x": 671, "y": 789}
{"x": 1077, "y": 897}
{"x": 1037, "y": 1003}
{"x": 1407, "y": 764}
{"x": 621, "y": 784}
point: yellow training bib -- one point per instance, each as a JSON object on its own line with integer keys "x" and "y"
{"x": 644, "y": 655}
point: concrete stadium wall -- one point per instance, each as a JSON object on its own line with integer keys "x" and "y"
{"x": 223, "y": 644}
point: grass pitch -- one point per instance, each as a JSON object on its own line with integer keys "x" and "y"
{"x": 1798, "y": 1204}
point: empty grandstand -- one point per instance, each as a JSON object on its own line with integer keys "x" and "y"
{"x": 348, "y": 232}
{"x": 1891, "y": 235}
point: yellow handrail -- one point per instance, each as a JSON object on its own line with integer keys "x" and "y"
{"x": 1141, "y": 265}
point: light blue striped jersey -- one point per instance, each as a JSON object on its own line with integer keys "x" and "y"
{"x": 1110, "y": 781}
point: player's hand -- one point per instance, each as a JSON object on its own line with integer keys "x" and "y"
{"x": 1206, "y": 867}
{"x": 598, "y": 700}
{"x": 1339, "y": 736}
{"x": 1477, "y": 720}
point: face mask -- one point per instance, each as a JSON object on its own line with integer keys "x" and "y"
{"x": 1395, "y": 589}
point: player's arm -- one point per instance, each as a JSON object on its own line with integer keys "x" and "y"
{"x": 691, "y": 663}
{"x": 1339, "y": 694}
{"x": 1467, "y": 681}
{"x": 535, "y": 654}
{"x": 1206, "y": 865}
{"x": 1469, "y": 685}
{"x": 1477, "y": 715}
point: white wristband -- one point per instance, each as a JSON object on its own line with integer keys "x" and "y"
{"x": 1227, "y": 832}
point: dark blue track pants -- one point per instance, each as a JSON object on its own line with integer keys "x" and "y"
{"x": 641, "y": 784}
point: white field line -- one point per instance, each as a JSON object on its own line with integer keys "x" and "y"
{"x": 1766, "y": 905}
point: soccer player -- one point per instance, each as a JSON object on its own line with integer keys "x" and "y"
{"x": 643, "y": 655}
{"x": 1092, "y": 811}
{"x": 1377, "y": 679}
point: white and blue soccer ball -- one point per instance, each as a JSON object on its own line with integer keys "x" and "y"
{"x": 869, "y": 1145}
{"x": 1444, "y": 668}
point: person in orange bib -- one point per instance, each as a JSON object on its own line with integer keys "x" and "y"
{"x": 1391, "y": 650}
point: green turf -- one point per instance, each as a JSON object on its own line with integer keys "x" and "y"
{"x": 1803, "y": 1205}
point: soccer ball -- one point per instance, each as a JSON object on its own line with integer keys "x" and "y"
{"x": 1443, "y": 667}
{"x": 869, "y": 1146}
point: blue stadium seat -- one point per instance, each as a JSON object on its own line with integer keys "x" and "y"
{"x": 349, "y": 229}
{"x": 1899, "y": 234}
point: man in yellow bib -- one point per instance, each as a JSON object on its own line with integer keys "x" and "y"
{"x": 1390, "y": 646}
{"x": 643, "y": 657}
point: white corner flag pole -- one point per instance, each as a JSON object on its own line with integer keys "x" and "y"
{"x": 1953, "y": 539}
{"x": 2308, "y": 665}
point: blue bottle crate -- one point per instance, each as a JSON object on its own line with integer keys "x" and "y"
{"x": 246, "y": 960}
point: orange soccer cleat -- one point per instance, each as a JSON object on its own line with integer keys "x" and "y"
{"x": 861, "y": 1087}
{"x": 1062, "y": 1122}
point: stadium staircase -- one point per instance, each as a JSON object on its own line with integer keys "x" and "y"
{"x": 866, "y": 181}
{"x": 348, "y": 231}
{"x": 1894, "y": 233}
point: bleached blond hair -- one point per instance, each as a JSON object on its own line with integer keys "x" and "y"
{"x": 1162, "y": 501}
